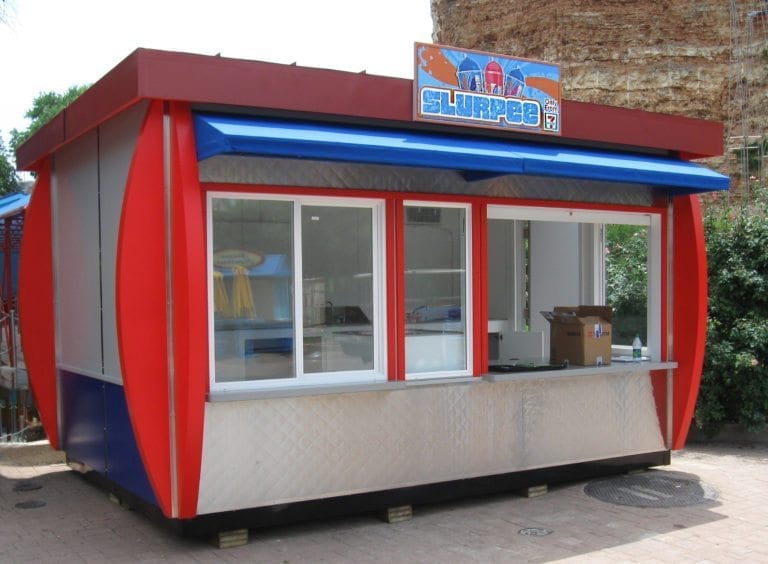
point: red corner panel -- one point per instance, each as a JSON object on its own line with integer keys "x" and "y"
{"x": 190, "y": 313}
{"x": 141, "y": 305}
{"x": 689, "y": 312}
{"x": 36, "y": 302}
{"x": 479, "y": 288}
{"x": 394, "y": 311}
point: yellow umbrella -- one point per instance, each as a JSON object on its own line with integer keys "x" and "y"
{"x": 220, "y": 297}
{"x": 242, "y": 296}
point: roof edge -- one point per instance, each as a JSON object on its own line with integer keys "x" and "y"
{"x": 348, "y": 96}
{"x": 115, "y": 91}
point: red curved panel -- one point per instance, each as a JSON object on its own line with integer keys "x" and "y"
{"x": 36, "y": 303}
{"x": 689, "y": 312}
{"x": 190, "y": 311}
{"x": 141, "y": 305}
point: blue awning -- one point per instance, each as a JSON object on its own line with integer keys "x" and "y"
{"x": 228, "y": 134}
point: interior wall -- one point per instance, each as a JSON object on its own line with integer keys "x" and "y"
{"x": 502, "y": 283}
{"x": 555, "y": 270}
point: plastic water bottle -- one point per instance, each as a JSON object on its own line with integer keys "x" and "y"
{"x": 637, "y": 348}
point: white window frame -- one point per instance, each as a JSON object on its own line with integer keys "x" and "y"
{"x": 652, "y": 221}
{"x": 299, "y": 379}
{"x": 468, "y": 292}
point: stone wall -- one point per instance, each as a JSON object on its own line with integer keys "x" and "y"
{"x": 672, "y": 56}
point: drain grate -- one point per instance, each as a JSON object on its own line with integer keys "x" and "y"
{"x": 535, "y": 532}
{"x": 31, "y": 504}
{"x": 651, "y": 489}
{"x": 27, "y": 486}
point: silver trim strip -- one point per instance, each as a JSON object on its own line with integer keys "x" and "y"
{"x": 304, "y": 391}
{"x": 54, "y": 199}
{"x": 167, "y": 189}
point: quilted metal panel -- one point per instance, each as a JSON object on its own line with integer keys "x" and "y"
{"x": 277, "y": 450}
{"x": 322, "y": 174}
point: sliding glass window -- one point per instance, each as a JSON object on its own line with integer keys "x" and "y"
{"x": 541, "y": 258}
{"x": 437, "y": 290}
{"x": 296, "y": 291}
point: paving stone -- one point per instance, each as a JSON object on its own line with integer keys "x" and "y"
{"x": 80, "y": 524}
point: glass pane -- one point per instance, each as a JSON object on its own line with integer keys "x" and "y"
{"x": 337, "y": 262}
{"x": 435, "y": 289}
{"x": 252, "y": 282}
{"x": 626, "y": 281}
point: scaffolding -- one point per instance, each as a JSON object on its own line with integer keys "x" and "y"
{"x": 747, "y": 136}
{"x": 16, "y": 406}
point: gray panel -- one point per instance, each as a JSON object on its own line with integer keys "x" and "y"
{"x": 117, "y": 141}
{"x": 555, "y": 268}
{"x": 76, "y": 246}
{"x": 311, "y": 447}
{"x": 322, "y": 174}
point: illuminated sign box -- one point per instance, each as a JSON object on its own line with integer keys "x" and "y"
{"x": 486, "y": 90}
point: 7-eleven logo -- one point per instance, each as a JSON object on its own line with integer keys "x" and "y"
{"x": 551, "y": 122}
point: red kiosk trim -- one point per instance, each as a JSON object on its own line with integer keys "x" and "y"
{"x": 36, "y": 300}
{"x": 339, "y": 96}
{"x": 141, "y": 306}
{"x": 174, "y": 341}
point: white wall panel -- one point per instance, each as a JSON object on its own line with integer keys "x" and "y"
{"x": 76, "y": 248}
{"x": 117, "y": 142}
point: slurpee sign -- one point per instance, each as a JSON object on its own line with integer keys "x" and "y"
{"x": 486, "y": 90}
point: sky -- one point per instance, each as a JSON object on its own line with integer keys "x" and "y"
{"x": 50, "y": 45}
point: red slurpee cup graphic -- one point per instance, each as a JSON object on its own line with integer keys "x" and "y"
{"x": 494, "y": 78}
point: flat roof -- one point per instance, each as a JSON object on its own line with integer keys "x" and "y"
{"x": 257, "y": 87}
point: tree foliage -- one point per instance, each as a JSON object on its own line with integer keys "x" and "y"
{"x": 734, "y": 387}
{"x": 45, "y": 106}
{"x": 4, "y": 11}
{"x": 8, "y": 179}
{"x": 626, "y": 277}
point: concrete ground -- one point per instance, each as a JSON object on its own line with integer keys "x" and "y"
{"x": 79, "y": 523}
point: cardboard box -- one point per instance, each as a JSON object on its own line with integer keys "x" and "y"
{"x": 580, "y": 335}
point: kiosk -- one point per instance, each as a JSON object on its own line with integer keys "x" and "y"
{"x": 251, "y": 291}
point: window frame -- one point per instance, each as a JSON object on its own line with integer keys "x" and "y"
{"x": 468, "y": 313}
{"x": 653, "y": 220}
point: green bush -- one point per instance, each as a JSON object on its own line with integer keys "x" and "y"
{"x": 734, "y": 386}
{"x": 626, "y": 280}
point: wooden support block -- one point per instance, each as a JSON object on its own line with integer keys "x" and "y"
{"x": 230, "y": 539}
{"x": 125, "y": 503}
{"x": 398, "y": 514}
{"x": 533, "y": 491}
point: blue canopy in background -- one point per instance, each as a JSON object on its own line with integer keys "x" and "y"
{"x": 11, "y": 226}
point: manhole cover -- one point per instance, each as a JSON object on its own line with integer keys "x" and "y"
{"x": 26, "y": 486}
{"x": 31, "y": 504}
{"x": 534, "y": 532}
{"x": 651, "y": 489}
